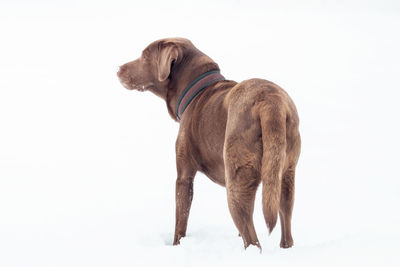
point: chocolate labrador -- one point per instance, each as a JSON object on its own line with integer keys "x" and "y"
{"x": 238, "y": 134}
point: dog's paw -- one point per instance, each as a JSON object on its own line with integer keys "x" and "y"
{"x": 177, "y": 239}
{"x": 287, "y": 244}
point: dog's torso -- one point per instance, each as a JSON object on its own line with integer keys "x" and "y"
{"x": 201, "y": 137}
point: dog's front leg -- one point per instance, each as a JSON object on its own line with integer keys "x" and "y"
{"x": 183, "y": 198}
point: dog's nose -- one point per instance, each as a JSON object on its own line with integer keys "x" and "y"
{"x": 121, "y": 69}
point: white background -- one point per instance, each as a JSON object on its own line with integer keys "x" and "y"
{"x": 87, "y": 168}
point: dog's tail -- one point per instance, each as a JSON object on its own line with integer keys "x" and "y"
{"x": 273, "y": 129}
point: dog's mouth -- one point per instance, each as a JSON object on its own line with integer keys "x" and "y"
{"x": 140, "y": 88}
{"x": 128, "y": 82}
{"x": 131, "y": 86}
{"x": 126, "y": 85}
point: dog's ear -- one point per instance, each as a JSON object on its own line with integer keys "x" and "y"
{"x": 168, "y": 53}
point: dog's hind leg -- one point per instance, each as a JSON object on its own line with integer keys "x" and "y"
{"x": 242, "y": 180}
{"x": 241, "y": 206}
{"x": 286, "y": 208}
{"x": 287, "y": 190}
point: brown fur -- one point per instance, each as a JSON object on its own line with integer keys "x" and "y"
{"x": 238, "y": 134}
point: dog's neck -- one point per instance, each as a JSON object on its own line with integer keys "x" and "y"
{"x": 182, "y": 77}
{"x": 194, "y": 88}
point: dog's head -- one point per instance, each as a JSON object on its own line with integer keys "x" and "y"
{"x": 159, "y": 63}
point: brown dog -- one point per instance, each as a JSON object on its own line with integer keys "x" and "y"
{"x": 238, "y": 134}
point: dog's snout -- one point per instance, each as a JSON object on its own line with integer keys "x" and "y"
{"x": 121, "y": 70}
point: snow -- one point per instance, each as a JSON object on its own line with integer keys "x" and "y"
{"x": 87, "y": 168}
